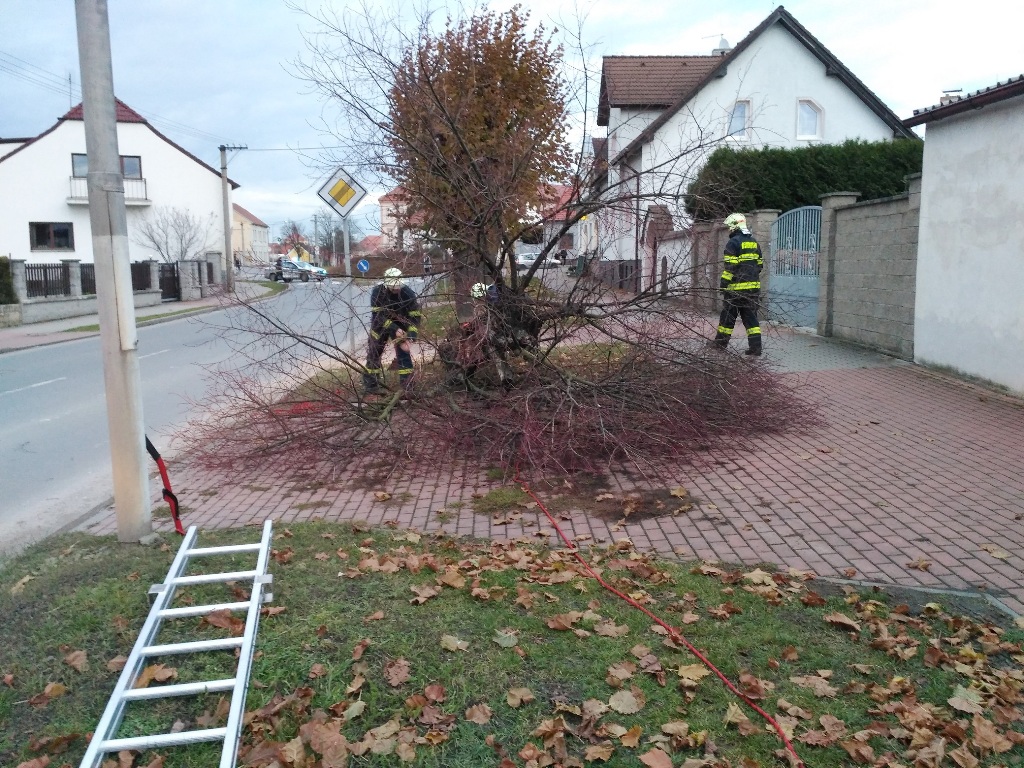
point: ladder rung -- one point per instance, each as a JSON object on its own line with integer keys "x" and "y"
{"x": 202, "y": 610}
{"x": 225, "y": 550}
{"x": 212, "y": 578}
{"x": 179, "y": 689}
{"x": 158, "y": 740}
{"x": 192, "y": 646}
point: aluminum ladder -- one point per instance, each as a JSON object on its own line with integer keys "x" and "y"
{"x": 103, "y": 741}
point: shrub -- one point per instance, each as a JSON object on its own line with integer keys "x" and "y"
{"x": 746, "y": 180}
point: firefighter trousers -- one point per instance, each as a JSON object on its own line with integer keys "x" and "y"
{"x": 373, "y": 375}
{"x": 743, "y": 304}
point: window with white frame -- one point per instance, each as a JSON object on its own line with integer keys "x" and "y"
{"x": 809, "y": 120}
{"x": 131, "y": 166}
{"x": 739, "y": 121}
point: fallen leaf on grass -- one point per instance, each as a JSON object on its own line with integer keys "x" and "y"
{"x": 966, "y": 700}
{"x": 516, "y": 697}
{"x": 656, "y": 758}
{"x": 317, "y": 670}
{"x": 78, "y": 661}
{"x": 479, "y": 713}
{"x": 157, "y": 672}
{"x": 397, "y": 672}
{"x": 564, "y": 621}
{"x": 452, "y": 643}
{"x": 842, "y": 621}
{"x": 628, "y": 702}
{"x": 602, "y": 751}
{"x": 819, "y": 685}
{"x": 506, "y": 638}
{"x": 374, "y": 617}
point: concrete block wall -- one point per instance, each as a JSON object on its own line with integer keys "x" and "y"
{"x": 869, "y": 269}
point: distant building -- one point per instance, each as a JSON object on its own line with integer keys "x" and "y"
{"x": 250, "y": 237}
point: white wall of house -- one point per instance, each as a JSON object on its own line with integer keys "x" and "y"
{"x": 968, "y": 312}
{"x": 36, "y": 185}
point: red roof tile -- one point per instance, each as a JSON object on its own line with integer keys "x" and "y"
{"x": 251, "y": 217}
{"x": 124, "y": 114}
{"x": 649, "y": 81}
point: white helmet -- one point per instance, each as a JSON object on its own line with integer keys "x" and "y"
{"x": 393, "y": 277}
{"x": 736, "y": 221}
{"x": 478, "y": 291}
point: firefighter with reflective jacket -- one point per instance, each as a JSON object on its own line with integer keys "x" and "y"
{"x": 741, "y": 285}
{"x": 395, "y": 314}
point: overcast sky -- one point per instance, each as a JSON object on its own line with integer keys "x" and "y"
{"x": 207, "y": 72}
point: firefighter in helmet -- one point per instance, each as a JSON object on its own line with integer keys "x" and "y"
{"x": 740, "y": 285}
{"x": 395, "y": 314}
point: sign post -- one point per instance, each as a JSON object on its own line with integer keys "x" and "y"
{"x": 343, "y": 193}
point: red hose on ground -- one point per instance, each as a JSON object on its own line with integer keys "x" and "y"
{"x": 674, "y": 633}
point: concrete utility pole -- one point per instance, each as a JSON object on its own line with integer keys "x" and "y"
{"x": 114, "y": 297}
{"x": 229, "y": 257}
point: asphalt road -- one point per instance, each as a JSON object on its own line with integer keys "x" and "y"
{"x": 54, "y": 443}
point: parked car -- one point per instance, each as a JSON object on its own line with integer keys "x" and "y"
{"x": 525, "y": 260}
{"x": 287, "y": 270}
{"x": 296, "y": 270}
{"x": 315, "y": 270}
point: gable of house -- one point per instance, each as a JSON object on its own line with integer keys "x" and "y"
{"x": 44, "y": 187}
{"x": 780, "y": 54}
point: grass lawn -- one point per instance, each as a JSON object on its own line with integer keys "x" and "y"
{"x": 388, "y": 647}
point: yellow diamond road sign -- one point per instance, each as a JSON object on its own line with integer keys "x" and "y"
{"x": 342, "y": 192}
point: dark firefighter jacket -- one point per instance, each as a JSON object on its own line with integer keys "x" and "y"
{"x": 391, "y": 310}
{"x": 743, "y": 264}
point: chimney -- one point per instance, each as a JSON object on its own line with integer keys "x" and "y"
{"x": 722, "y": 49}
{"x": 949, "y": 96}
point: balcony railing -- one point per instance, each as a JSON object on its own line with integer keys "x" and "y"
{"x": 134, "y": 191}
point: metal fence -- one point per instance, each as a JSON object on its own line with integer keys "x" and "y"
{"x": 88, "y": 279}
{"x": 44, "y": 280}
{"x": 140, "y": 276}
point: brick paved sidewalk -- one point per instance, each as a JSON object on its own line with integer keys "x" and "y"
{"x": 911, "y": 466}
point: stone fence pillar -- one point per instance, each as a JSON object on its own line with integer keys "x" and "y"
{"x": 760, "y": 224}
{"x": 154, "y": 274}
{"x": 18, "y": 278}
{"x": 74, "y": 269}
{"x": 830, "y": 204}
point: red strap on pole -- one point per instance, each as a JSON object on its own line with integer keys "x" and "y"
{"x": 169, "y": 497}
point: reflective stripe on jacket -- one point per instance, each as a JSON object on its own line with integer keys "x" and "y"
{"x": 389, "y": 309}
{"x": 743, "y": 263}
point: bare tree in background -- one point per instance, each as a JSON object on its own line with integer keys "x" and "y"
{"x": 174, "y": 234}
{"x": 471, "y": 118}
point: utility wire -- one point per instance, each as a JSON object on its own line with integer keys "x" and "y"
{"x": 42, "y": 78}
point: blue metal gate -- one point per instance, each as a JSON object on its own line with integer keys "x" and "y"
{"x": 794, "y": 259}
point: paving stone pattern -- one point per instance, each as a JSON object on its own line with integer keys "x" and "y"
{"x": 911, "y": 465}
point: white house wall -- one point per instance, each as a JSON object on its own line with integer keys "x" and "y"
{"x": 969, "y": 314}
{"x": 35, "y": 186}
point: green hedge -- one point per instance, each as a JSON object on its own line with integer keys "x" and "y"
{"x": 745, "y": 180}
{"x": 7, "y": 295}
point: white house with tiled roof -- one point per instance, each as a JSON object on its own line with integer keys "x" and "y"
{"x": 250, "y": 236}
{"x": 44, "y": 192}
{"x": 664, "y": 115}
